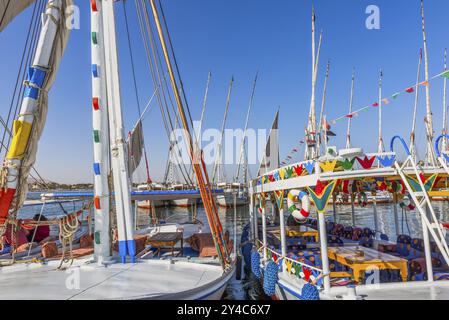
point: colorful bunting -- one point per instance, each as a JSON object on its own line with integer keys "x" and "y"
{"x": 366, "y": 163}
{"x": 428, "y": 184}
{"x": 322, "y": 200}
{"x": 279, "y": 196}
{"x": 309, "y": 166}
{"x": 328, "y": 166}
{"x": 347, "y": 164}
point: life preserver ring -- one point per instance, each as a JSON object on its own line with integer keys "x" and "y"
{"x": 407, "y": 203}
{"x": 303, "y": 197}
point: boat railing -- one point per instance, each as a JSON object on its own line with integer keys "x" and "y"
{"x": 276, "y": 256}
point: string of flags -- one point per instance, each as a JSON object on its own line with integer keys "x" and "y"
{"x": 292, "y": 153}
{"x": 390, "y": 99}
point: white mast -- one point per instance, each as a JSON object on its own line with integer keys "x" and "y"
{"x": 217, "y": 172}
{"x": 381, "y": 147}
{"x": 122, "y": 187}
{"x": 102, "y": 251}
{"x": 444, "y": 146}
{"x": 348, "y": 133}
{"x": 430, "y": 158}
{"x": 415, "y": 109}
{"x": 242, "y": 145}
{"x": 311, "y": 126}
{"x": 323, "y": 103}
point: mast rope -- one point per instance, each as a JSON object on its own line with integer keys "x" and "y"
{"x": 155, "y": 64}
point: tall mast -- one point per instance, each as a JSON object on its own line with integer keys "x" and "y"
{"x": 203, "y": 110}
{"x": 430, "y": 159}
{"x": 381, "y": 147}
{"x": 122, "y": 183}
{"x": 348, "y": 133}
{"x": 28, "y": 125}
{"x": 102, "y": 251}
{"x": 444, "y": 147}
{"x": 242, "y": 144}
{"x": 415, "y": 109}
{"x": 323, "y": 103}
{"x": 200, "y": 128}
{"x": 311, "y": 126}
{"x": 198, "y": 164}
{"x": 218, "y": 160}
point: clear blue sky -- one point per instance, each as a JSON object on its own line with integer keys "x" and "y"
{"x": 239, "y": 37}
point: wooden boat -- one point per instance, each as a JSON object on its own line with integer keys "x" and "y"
{"x": 132, "y": 270}
{"x": 348, "y": 263}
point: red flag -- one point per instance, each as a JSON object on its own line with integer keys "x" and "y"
{"x": 375, "y": 104}
{"x": 410, "y": 90}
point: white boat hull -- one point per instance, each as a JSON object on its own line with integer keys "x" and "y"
{"x": 147, "y": 279}
{"x": 184, "y": 203}
{"x": 227, "y": 201}
{"x": 146, "y": 204}
{"x": 290, "y": 288}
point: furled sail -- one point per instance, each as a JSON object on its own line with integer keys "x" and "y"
{"x": 270, "y": 160}
{"x": 9, "y": 9}
{"x": 135, "y": 147}
{"x": 29, "y": 125}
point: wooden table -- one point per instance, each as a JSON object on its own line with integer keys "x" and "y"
{"x": 372, "y": 258}
{"x": 297, "y": 232}
{"x": 166, "y": 239}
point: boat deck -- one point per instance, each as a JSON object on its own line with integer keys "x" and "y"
{"x": 143, "y": 280}
{"x": 419, "y": 290}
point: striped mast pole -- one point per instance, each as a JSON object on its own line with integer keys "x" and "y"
{"x": 415, "y": 109}
{"x": 430, "y": 156}
{"x": 24, "y": 125}
{"x": 311, "y": 151}
{"x": 348, "y": 133}
{"x": 381, "y": 147}
{"x": 444, "y": 144}
{"x": 102, "y": 251}
{"x": 122, "y": 183}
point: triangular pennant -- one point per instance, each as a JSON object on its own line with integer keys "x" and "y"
{"x": 289, "y": 265}
{"x": 322, "y": 200}
{"x": 298, "y": 169}
{"x": 445, "y": 74}
{"x": 386, "y": 161}
{"x": 394, "y": 96}
{"x": 288, "y": 172}
{"x": 279, "y": 196}
{"x": 282, "y": 174}
{"x": 410, "y": 90}
{"x": 428, "y": 185}
{"x": 328, "y": 166}
{"x": 366, "y": 163}
{"x": 309, "y": 165}
{"x": 347, "y": 164}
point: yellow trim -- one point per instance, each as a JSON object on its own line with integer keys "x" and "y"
{"x": 21, "y": 135}
{"x": 442, "y": 193}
